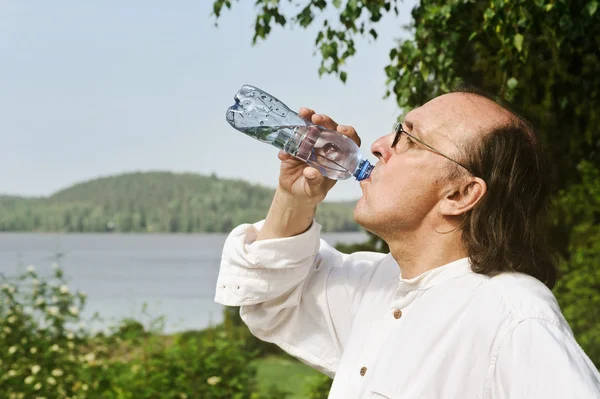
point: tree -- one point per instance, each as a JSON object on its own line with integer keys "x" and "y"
{"x": 541, "y": 54}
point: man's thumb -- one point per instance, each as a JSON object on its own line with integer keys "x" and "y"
{"x": 313, "y": 176}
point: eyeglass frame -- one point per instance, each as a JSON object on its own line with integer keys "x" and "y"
{"x": 398, "y": 130}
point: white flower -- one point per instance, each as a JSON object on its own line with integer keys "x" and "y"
{"x": 73, "y": 310}
{"x": 37, "y": 386}
{"x": 81, "y": 325}
{"x": 54, "y": 298}
{"x": 35, "y": 369}
{"x": 71, "y": 345}
{"x": 90, "y": 357}
{"x": 214, "y": 380}
{"x": 54, "y": 348}
{"x": 12, "y": 373}
{"x": 33, "y": 350}
{"x": 57, "y": 372}
{"x": 64, "y": 289}
{"x": 70, "y": 335}
{"x": 35, "y": 281}
{"x": 53, "y": 310}
{"x": 40, "y": 301}
{"x": 29, "y": 379}
{"x": 8, "y": 288}
{"x": 12, "y": 350}
{"x": 51, "y": 380}
{"x": 7, "y": 330}
{"x": 84, "y": 387}
{"x": 30, "y": 269}
{"x": 12, "y": 319}
{"x": 54, "y": 266}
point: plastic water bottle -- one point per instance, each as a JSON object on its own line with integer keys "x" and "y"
{"x": 265, "y": 118}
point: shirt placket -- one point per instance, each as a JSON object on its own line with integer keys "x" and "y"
{"x": 377, "y": 339}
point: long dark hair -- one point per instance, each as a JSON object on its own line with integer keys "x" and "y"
{"x": 506, "y": 231}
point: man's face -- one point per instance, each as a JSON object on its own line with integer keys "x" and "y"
{"x": 408, "y": 183}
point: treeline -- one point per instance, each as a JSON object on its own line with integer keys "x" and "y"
{"x": 155, "y": 202}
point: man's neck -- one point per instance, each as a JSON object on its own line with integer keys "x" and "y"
{"x": 418, "y": 253}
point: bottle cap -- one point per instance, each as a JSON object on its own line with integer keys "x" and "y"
{"x": 364, "y": 170}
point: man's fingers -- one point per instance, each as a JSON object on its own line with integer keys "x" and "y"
{"x": 312, "y": 176}
{"x": 283, "y": 156}
{"x": 306, "y": 113}
{"x": 325, "y": 121}
{"x": 350, "y": 132}
{"x": 314, "y": 183}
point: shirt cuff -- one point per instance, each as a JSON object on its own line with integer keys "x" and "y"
{"x": 274, "y": 253}
{"x": 255, "y": 271}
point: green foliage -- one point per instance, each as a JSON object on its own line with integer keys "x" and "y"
{"x": 356, "y": 17}
{"x": 285, "y": 373}
{"x": 47, "y": 352}
{"x": 215, "y": 367}
{"x": 155, "y": 202}
{"x": 319, "y": 387}
{"x": 540, "y": 54}
{"x": 42, "y": 354}
{"x": 578, "y": 291}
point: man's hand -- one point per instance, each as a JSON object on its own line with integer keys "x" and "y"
{"x": 302, "y": 182}
{"x": 301, "y": 188}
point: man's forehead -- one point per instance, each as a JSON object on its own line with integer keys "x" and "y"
{"x": 457, "y": 114}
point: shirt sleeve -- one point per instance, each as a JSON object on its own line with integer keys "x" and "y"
{"x": 540, "y": 359}
{"x": 297, "y": 292}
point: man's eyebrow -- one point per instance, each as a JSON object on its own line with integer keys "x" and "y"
{"x": 413, "y": 129}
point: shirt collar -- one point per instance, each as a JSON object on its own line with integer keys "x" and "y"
{"x": 435, "y": 276}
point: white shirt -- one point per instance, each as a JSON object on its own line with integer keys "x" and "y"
{"x": 448, "y": 333}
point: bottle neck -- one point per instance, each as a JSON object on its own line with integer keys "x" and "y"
{"x": 363, "y": 171}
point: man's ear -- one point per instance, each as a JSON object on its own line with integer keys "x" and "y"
{"x": 464, "y": 197}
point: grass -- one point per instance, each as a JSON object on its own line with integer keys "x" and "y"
{"x": 285, "y": 373}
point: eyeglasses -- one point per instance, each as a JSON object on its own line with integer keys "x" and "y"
{"x": 403, "y": 145}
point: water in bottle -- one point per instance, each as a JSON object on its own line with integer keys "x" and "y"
{"x": 265, "y": 118}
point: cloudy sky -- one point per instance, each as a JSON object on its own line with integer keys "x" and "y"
{"x": 91, "y": 89}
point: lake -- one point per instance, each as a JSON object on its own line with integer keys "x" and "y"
{"x": 174, "y": 275}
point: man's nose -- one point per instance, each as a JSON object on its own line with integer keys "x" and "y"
{"x": 381, "y": 148}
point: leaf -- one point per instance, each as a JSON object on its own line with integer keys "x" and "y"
{"x": 512, "y": 83}
{"x": 337, "y": 3}
{"x": 343, "y": 76}
{"x": 472, "y": 35}
{"x": 373, "y": 33}
{"x": 518, "y": 41}
{"x": 592, "y": 6}
{"x": 319, "y": 37}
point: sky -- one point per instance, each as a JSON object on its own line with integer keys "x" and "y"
{"x": 90, "y": 89}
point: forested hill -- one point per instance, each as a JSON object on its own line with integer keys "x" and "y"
{"x": 154, "y": 202}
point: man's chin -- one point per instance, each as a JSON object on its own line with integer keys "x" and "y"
{"x": 366, "y": 218}
{"x": 360, "y": 213}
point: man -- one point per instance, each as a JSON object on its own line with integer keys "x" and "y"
{"x": 460, "y": 308}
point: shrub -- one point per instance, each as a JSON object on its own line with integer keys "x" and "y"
{"x": 48, "y": 353}
{"x": 43, "y": 352}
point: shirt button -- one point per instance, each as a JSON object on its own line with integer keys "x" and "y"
{"x": 363, "y": 371}
{"x": 397, "y": 313}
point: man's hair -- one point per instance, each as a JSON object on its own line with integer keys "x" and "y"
{"x": 505, "y": 230}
